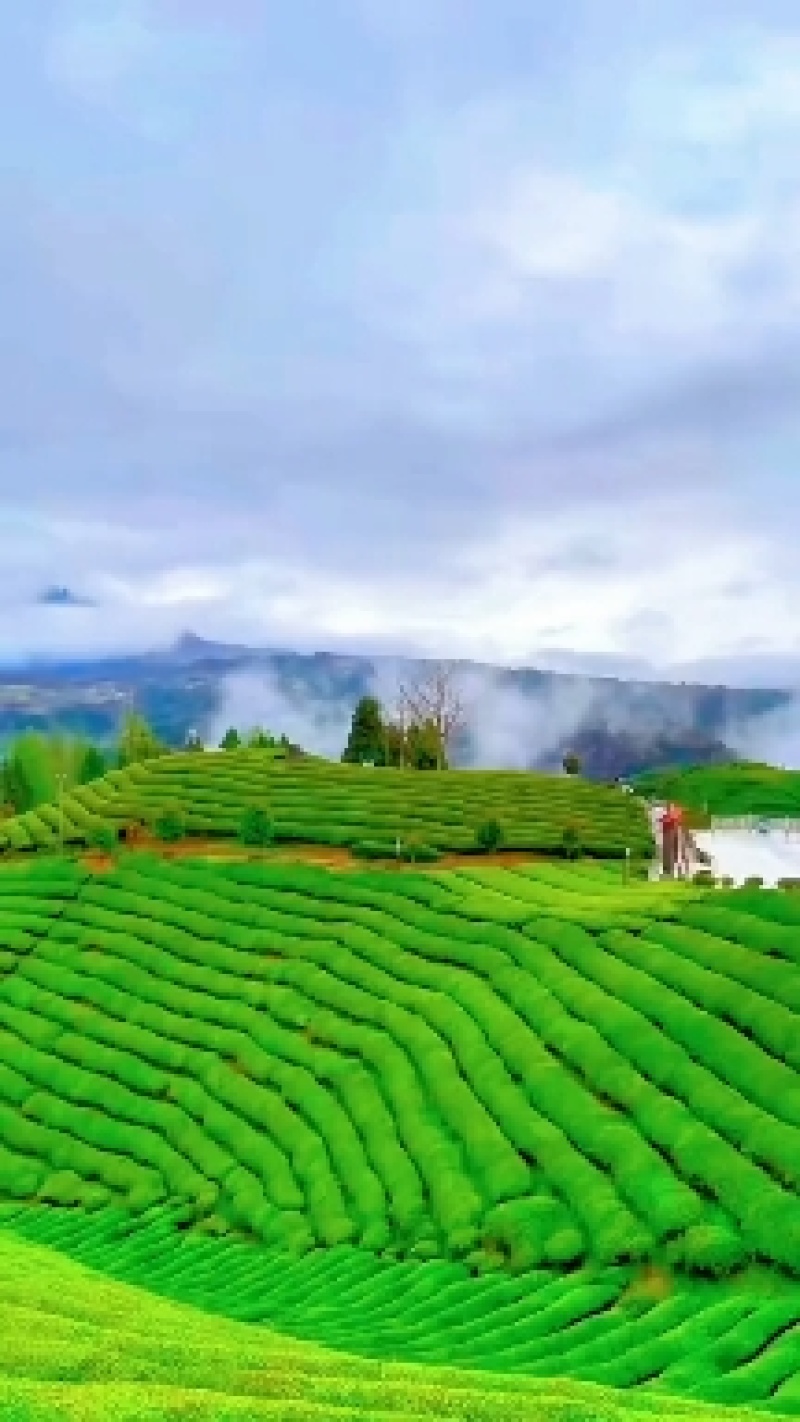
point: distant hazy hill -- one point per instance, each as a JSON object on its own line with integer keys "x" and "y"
{"x": 618, "y": 727}
{"x": 607, "y": 754}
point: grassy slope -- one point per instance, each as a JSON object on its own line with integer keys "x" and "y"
{"x": 491, "y": 1070}
{"x": 738, "y": 788}
{"x": 325, "y": 802}
{"x": 73, "y": 1345}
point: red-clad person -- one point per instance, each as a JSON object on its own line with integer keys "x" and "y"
{"x": 672, "y": 839}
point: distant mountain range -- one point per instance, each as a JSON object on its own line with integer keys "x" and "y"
{"x": 617, "y": 727}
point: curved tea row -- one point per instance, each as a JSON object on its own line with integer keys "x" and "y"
{"x": 325, "y": 802}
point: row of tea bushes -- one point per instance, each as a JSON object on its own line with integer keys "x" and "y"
{"x": 321, "y": 1058}
{"x": 325, "y": 802}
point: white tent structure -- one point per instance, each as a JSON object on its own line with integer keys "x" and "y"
{"x": 772, "y": 853}
{"x": 769, "y": 850}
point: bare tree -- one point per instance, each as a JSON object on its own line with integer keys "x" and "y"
{"x": 432, "y": 696}
{"x": 396, "y": 726}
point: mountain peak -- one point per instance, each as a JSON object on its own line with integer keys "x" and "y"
{"x": 59, "y": 596}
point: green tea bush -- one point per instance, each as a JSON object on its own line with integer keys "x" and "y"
{"x": 489, "y": 835}
{"x": 256, "y": 827}
{"x": 170, "y": 824}
{"x": 571, "y": 843}
{"x": 421, "y": 853}
{"x": 375, "y": 849}
{"x": 102, "y": 836}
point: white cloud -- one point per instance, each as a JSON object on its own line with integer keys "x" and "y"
{"x": 516, "y": 594}
{"x": 383, "y": 375}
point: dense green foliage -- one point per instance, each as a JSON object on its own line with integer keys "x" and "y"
{"x": 489, "y": 835}
{"x": 736, "y": 788}
{"x": 34, "y": 762}
{"x": 508, "y": 1003}
{"x": 441, "y": 1118}
{"x": 325, "y": 802}
{"x": 80, "y": 1346}
{"x": 259, "y": 739}
{"x": 256, "y": 827}
{"x": 376, "y": 740}
{"x": 366, "y": 743}
{"x": 103, "y": 837}
{"x": 169, "y": 824}
{"x": 138, "y": 742}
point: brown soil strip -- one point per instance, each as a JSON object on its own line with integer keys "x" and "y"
{"x": 331, "y": 856}
{"x": 229, "y": 851}
{"x": 327, "y": 856}
{"x": 98, "y": 863}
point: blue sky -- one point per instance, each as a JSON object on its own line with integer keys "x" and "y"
{"x": 461, "y": 327}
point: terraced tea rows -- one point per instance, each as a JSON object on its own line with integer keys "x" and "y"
{"x": 323, "y": 802}
{"x": 80, "y": 1346}
{"x": 424, "y": 1066}
{"x": 537, "y": 1081}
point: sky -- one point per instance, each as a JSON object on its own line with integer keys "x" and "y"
{"x": 461, "y": 328}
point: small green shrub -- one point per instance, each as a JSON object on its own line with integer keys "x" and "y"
{"x": 374, "y": 849}
{"x": 420, "y": 853}
{"x": 571, "y": 846}
{"x": 103, "y": 836}
{"x": 489, "y": 835}
{"x": 790, "y": 884}
{"x": 417, "y": 852}
{"x": 753, "y": 881}
{"x": 256, "y": 827}
{"x": 170, "y": 824}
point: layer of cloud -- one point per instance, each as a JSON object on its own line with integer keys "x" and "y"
{"x": 463, "y": 330}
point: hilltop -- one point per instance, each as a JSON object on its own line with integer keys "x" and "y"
{"x": 322, "y": 802}
{"x": 732, "y": 789}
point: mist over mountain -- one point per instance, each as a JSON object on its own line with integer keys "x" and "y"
{"x": 514, "y": 717}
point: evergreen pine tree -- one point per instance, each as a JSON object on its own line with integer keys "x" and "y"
{"x": 138, "y": 741}
{"x": 92, "y": 765}
{"x": 367, "y": 739}
{"x": 16, "y": 790}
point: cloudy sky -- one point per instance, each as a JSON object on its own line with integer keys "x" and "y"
{"x": 462, "y": 327}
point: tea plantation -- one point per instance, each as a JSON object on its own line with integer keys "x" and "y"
{"x": 328, "y": 803}
{"x": 75, "y": 1344}
{"x": 277, "y": 1141}
{"x": 738, "y": 788}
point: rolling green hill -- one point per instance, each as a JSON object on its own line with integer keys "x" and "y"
{"x": 77, "y": 1345}
{"x": 735, "y": 789}
{"x": 536, "y": 1123}
{"x": 328, "y": 803}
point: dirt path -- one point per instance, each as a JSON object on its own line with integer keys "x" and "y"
{"x": 327, "y": 856}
